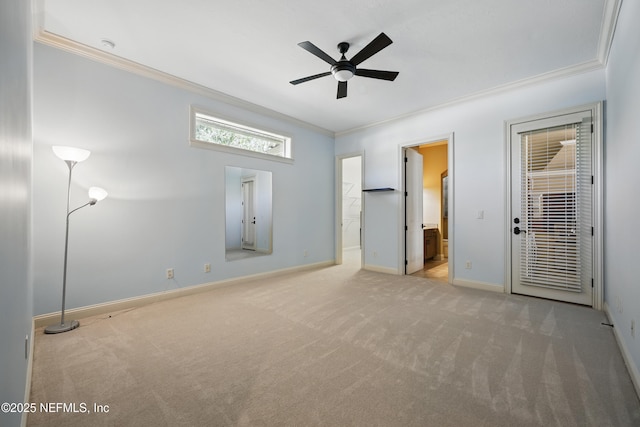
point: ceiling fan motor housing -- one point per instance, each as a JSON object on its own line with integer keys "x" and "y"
{"x": 343, "y": 70}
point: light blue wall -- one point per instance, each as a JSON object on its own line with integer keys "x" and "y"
{"x": 622, "y": 175}
{"x": 166, "y": 199}
{"x": 479, "y": 176}
{"x": 16, "y": 306}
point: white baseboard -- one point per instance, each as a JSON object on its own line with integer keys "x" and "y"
{"x": 27, "y": 387}
{"x": 491, "y": 287}
{"x": 626, "y": 355}
{"x": 380, "y": 269}
{"x": 127, "y": 303}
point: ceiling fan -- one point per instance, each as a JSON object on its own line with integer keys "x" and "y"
{"x": 344, "y": 69}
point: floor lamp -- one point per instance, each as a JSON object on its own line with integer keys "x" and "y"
{"x": 71, "y": 156}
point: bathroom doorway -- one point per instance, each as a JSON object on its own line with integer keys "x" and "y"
{"x": 437, "y": 202}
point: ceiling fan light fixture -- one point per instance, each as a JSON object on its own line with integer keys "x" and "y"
{"x": 343, "y": 75}
{"x": 343, "y": 71}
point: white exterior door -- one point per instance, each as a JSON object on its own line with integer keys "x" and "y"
{"x": 414, "y": 234}
{"x": 248, "y": 214}
{"x": 552, "y": 208}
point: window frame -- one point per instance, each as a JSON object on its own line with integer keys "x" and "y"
{"x": 193, "y": 142}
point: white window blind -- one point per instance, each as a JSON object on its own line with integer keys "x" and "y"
{"x": 556, "y": 192}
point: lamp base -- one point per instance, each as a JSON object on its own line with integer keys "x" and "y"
{"x": 61, "y": 327}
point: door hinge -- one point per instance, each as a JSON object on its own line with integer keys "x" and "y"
{"x": 592, "y": 231}
{"x": 406, "y": 159}
{"x": 406, "y": 262}
{"x": 592, "y": 283}
{"x": 591, "y": 179}
{"x": 591, "y": 127}
{"x": 406, "y": 194}
{"x": 406, "y": 228}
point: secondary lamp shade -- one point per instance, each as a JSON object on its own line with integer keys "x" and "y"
{"x": 70, "y": 153}
{"x": 97, "y": 193}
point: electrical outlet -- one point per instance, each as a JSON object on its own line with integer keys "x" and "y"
{"x": 169, "y": 273}
{"x": 207, "y": 268}
{"x": 467, "y": 265}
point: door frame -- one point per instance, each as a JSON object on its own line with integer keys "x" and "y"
{"x": 339, "y": 205}
{"x": 450, "y": 138}
{"x": 596, "y": 112}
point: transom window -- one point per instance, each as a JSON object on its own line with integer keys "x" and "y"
{"x": 214, "y": 132}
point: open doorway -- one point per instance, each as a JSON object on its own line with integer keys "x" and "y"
{"x": 437, "y": 212}
{"x": 349, "y": 207}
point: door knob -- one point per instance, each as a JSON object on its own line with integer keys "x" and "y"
{"x": 516, "y": 220}
{"x": 517, "y": 231}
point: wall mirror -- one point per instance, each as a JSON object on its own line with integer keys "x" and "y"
{"x": 248, "y": 213}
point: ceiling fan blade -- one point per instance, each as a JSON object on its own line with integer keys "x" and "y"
{"x": 312, "y": 48}
{"x": 377, "y": 74}
{"x": 342, "y": 90}
{"x": 306, "y": 79}
{"x": 375, "y": 46}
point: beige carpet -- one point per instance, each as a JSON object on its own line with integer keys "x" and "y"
{"x": 338, "y": 347}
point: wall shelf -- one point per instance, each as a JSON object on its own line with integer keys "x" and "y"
{"x": 377, "y": 190}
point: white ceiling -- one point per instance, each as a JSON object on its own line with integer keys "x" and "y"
{"x": 444, "y": 50}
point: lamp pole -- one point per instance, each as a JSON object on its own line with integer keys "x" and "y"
{"x": 95, "y": 194}
{"x": 62, "y": 327}
{"x": 71, "y": 164}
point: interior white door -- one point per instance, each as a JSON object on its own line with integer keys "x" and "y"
{"x": 414, "y": 234}
{"x": 552, "y": 209}
{"x": 248, "y": 214}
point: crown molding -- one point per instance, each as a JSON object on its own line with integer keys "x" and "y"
{"x": 610, "y": 17}
{"x": 607, "y": 31}
{"x": 63, "y": 43}
{"x": 609, "y": 22}
{"x": 530, "y": 81}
